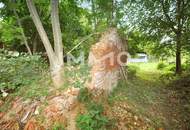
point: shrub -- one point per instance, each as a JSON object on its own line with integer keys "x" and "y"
{"x": 186, "y": 66}
{"x": 170, "y": 67}
{"x": 167, "y": 76}
{"x": 84, "y": 95}
{"x": 19, "y": 69}
{"x": 93, "y": 120}
{"x": 131, "y": 71}
{"x": 161, "y": 66}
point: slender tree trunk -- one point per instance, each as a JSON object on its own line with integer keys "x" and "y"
{"x": 51, "y": 55}
{"x": 22, "y": 32}
{"x": 178, "y": 37}
{"x": 55, "y": 58}
{"x": 178, "y": 54}
{"x": 58, "y": 46}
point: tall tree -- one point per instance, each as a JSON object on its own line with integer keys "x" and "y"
{"x": 55, "y": 56}
{"x": 161, "y": 18}
{"x": 177, "y": 25}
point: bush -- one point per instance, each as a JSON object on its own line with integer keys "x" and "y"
{"x": 186, "y": 66}
{"x": 170, "y": 67}
{"x": 161, "y": 66}
{"x": 131, "y": 71}
{"x": 94, "y": 119}
{"x": 167, "y": 76}
{"x": 84, "y": 95}
{"x": 19, "y": 69}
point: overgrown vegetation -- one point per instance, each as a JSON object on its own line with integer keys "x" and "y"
{"x": 151, "y": 98}
{"x": 93, "y": 119}
{"x": 19, "y": 69}
{"x": 132, "y": 71}
{"x": 168, "y": 70}
{"x": 160, "y": 29}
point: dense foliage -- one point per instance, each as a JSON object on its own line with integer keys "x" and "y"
{"x": 155, "y": 27}
{"x": 19, "y": 69}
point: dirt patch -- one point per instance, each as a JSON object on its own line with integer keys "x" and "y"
{"x": 177, "y": 108}
{"x": 125, "y": 118}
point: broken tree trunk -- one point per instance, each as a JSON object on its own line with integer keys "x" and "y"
{"x": 106, "y": 59}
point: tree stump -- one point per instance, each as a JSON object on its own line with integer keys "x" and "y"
{"x": 106, "y": 60}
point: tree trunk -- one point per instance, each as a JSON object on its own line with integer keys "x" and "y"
{"x": 178, "y": 54}
{"x": 57, "y": 76}
{"x": 51, "y": 55}
{"x": 55, "y": 58}
{"x": 178, "y": 37}
{"x": 58, "y": 46}
{"x": 22, "y": 32}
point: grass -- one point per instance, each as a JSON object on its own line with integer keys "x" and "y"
{"x": 142, "y": 92}
{"x": 36, "y": 90}
{"x": 151, "y": 98}
{"x": 145, "y": 93}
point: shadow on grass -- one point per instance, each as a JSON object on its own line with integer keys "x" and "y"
{"x": 165, "y": 106}
{"x": 178, "y": 103}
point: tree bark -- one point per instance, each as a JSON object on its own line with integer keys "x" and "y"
{"x": 22, "y": 32}
{"x": 178, "y": 37}
{"x": 51, "y": 55}
{"x": 55, "y": 58}
{"x": 178, "y": 55}
{"x": 58, "y": 46}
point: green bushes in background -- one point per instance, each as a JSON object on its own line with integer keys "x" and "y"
{"x": 132, "y": 70}
{"x": 161, "y": 65}
{"x": 17, "y": 70}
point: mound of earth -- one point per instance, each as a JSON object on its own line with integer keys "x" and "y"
{"x": 62, "y": 108}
